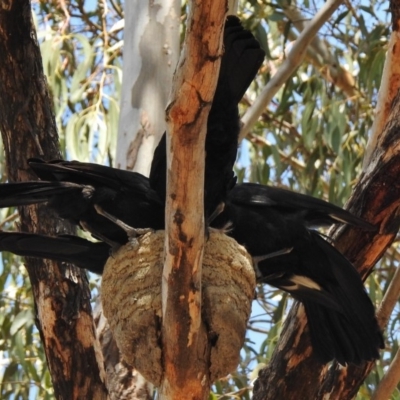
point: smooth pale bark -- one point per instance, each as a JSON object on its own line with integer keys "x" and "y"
{"x": 151, "y": 51}
{"x": 186, "y": 351}
{"x": 150, "y": 55}
{"x": 61, "y": 293}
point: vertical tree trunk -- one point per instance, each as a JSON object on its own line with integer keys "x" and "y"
{"x": 292, "y": 372}
{"x": 123, "y": 381}
{"x": 61, "y": 293}
{"x": 186, "y": 352}
{"x": 151, "y": 51}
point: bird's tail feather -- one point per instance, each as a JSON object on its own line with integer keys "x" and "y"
{"x": 26, "y": 193}
{"x": 351, "y": 334}
{"x": 241, "y": 61}
{"x": 64, "y": 248}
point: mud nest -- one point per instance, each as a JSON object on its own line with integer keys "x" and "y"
{"x": 131, "y": 297}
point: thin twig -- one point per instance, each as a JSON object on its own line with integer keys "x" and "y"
{"x": 389, "y": 300}
{"x": 287, "y": 68}
{"x": 10, "y": 218}
{"x": 389, "y": 381}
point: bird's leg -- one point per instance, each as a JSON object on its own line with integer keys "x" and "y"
{"x": 218, "y": 210}
{"x": 211, "y": 218}
{"x": 132, "y": 233}
{"x": 258, "y": 259}
{"x": 114, "y": 245}
{"x": 281, "y": 252}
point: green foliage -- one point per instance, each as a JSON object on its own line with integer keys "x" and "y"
{"x": 23, "y": 369}
{"x": 81, "y": 52}
{"x": 313, "y": 134}
{"x": 310, "y": 138}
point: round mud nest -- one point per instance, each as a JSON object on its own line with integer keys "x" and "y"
{"x": 131, "y": 297}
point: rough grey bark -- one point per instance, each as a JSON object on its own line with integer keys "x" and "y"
{"x": 123, "y": 381}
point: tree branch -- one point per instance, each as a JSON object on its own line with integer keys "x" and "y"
{"x": 319, "y": 55}
{"x": 293, "y": 60}
{"x": 389, "y": 381}
{"x": 376, "y": 198}
{"x": 389, "y": 88}
{"x": 151, "y": 51}
{"x": 389, "y": 300}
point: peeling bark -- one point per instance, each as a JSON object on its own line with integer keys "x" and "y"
{"x": 123, "y": 381}
{"x": 61, "y": 293}
{"x": 186, "y": 352}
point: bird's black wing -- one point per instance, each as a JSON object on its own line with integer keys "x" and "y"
{"x": 65, "y": 248}
{"x": 32, "y": 192}
{"x": 315, "y": 212}
{"x": 77, "y": 189}
{"x": 124, "y": 194}
{"x": 357, "y": 306}
{"x": 241, "y": 59}
{"x": 341, "y": 316}
{"x": 94, "y": 174}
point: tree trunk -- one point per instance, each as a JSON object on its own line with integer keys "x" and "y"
{"x": 293, "y": 372}
{"x": 186, "y": 351}
{"x": 61, "y": 293}
{"x": 123, "y": 381}
{"x": 151, "y": 51}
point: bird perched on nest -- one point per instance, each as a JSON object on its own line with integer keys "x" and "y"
{"x": 271, "y": 223}
{"x": 273, "y": 226}
{"x": 240, "y": 62}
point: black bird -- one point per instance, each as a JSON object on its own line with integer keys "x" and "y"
{"x": 79, "y": 191}
{"x": 65, "y": 248}
{"x": 340, "y": 314}
{"x": 239, "y": 64}
{"x": 271, "y": 221}
{"x": 313, "y": 211}
{"x": 265, "y": 220}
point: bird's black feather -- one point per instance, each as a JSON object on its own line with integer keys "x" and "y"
{"x": 263, "y": 219}
{"x": 314, "y": 211}
{"x": 64, "y": 248}
{"x": 239, "y": 64}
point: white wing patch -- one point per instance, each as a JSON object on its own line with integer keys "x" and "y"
{"x": 299, "y": 282}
